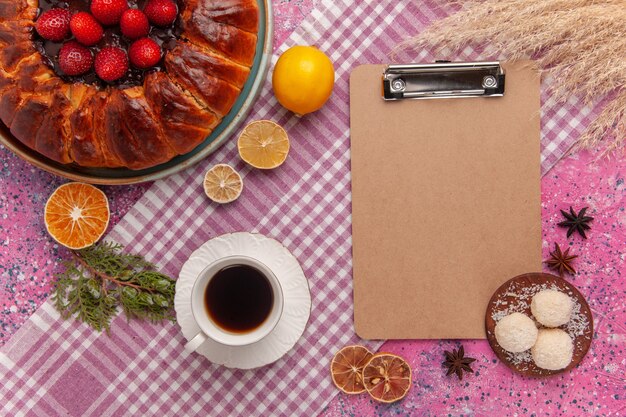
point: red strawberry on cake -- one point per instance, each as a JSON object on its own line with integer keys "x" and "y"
{"x": 111, "y": 63}
{"x": 134, "y": 24}
{"x": 144, "y": 53}
{"x": 74, "y": 58}
{"x": 161, "y": 12}
{"x": 86, "y": 29}
{"x": 108, "y": 12}
{"x": 54, "y": 25}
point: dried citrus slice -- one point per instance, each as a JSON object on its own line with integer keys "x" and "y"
{"x": 346, "y": 368}
{"x": 387, "y": 377}
{"x": 223, "y": 184}
{"x": 77, "y": 215}
{"x": 263, "y": 144}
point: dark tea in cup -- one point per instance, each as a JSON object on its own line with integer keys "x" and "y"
{"x": 236, "y": 301}
{"x": 239, "y": 298}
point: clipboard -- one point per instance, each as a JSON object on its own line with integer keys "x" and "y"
{"x": 446, "y": 193}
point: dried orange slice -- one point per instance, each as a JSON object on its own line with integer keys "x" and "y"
{"x": 77, "y": 215}
{"x": 346, "y": 368}
{"x": 223, "y": 184}
{"x": 387, "y": 377}
{"x": 263, "y": 144}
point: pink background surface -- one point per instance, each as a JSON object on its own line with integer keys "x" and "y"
{"x": 29, "y": 258}
{"x": 598, "y": 385}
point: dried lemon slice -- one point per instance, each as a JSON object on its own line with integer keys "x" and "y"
{"x": 387, "y": 377}
{"x": 263, "y": 144}
{"x": 346, "y": 369}
{"x": 76, "y": 215}
{"x": 223, "y": 184}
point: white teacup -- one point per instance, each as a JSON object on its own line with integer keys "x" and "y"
{"x": 209, "y": 328}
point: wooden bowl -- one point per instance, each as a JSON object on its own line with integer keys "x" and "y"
{"x": 515, "y": 295}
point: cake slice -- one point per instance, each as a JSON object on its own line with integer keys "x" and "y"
{"x": 87, "y": 124}
{"x": 184, "y": 121}
{"x": 28, "y": 117}
{"x": 12, "y": 32}
{"x": 39, "y": 123}
{"x": 133, "y": 132}
{"x": 39, "y": 118}
{"x": 16, "y": 36}
{"x": 53, "y": 134}
{"x": 30, "y": 76}
{"x": 18, "y": 9}
{"x": 193, "y": 75}
{"x": 243, "y": 14}
{"x": 216, "y": 65}
{"x": 11, "y": 55}
{"x": 226, "y": 40}
{"x": 9, "y": 102}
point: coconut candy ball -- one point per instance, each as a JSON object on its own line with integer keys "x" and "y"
{"x": 553, "y": 350}
{"x": 552, "y": 308}
{"x": 516, "y": 332}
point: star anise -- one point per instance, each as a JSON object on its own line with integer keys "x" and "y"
{"x": 456, "y": 362}
{"x": 576, "y": 222}
{"x": 561, "y": 261}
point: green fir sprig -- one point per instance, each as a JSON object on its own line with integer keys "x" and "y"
{"x": 101, "y": 278}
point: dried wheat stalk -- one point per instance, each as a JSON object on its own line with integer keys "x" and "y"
{"x": 581, "y": 43}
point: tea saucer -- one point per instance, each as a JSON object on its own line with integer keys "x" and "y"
{"x": 297, "y": 299}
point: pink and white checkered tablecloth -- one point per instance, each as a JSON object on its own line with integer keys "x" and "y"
{"x": 50, "y": 367}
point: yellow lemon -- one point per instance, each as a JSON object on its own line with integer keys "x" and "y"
{"x": 303, "y": 79}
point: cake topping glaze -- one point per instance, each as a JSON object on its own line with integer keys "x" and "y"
{"x": 165, "y": 37}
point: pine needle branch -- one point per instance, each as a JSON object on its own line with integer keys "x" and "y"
{"x": 101, "y": 278}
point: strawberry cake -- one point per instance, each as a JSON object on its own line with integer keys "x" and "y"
{"x": 117, "y": 83}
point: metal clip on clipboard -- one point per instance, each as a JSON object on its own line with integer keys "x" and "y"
{"x": 443, "y": 80}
